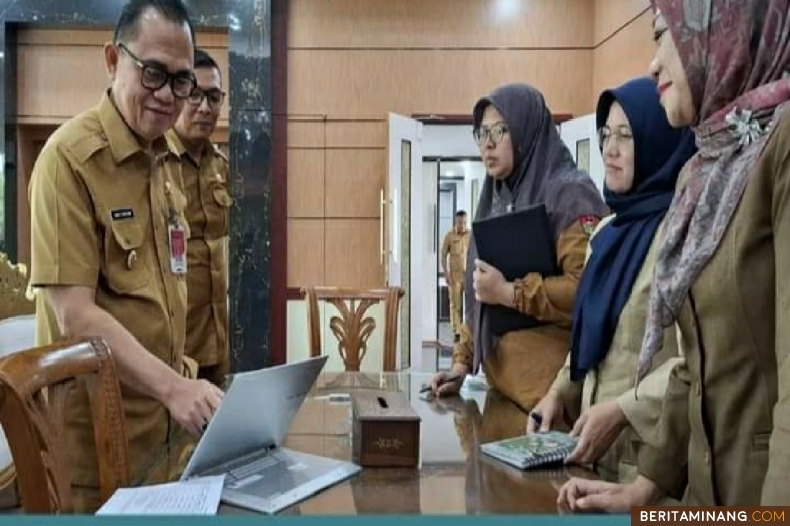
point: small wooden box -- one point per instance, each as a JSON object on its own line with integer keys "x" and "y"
{"x": 386, "y": 429}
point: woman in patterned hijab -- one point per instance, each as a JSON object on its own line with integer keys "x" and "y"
{"x": 722, "y": 271}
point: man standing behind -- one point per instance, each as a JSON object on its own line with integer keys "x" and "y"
{"x": 205, "y": 172}
{"x": 108, "y": 235}
{"x": 455, "y": 244}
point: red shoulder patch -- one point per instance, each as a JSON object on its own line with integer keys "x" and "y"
{"x": 589, "y": 223}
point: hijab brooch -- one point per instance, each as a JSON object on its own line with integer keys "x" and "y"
{"x": 743, "y": 126}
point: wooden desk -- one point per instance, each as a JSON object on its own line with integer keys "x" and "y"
{"x": 453, "y": 477}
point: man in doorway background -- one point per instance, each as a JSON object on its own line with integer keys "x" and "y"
{"x": 205, "y": 173}
{"x": 455, "y": 245}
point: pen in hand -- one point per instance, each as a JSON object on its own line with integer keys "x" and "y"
{"x": 537, "y": 417}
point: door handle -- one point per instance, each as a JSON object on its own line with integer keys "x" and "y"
{"x": 434, "y": 228}
{"x": 382, "y": 204}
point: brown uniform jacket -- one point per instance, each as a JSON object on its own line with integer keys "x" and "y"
{"x": 100, "y": 207}
{"x": 613, "y": 379}
{"x": 208, "y": 202}
{"x": 527, "y": 361}
{"x": 727, "y": 409}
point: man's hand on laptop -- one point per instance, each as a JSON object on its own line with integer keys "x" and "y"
{"x": 192, "y": 403}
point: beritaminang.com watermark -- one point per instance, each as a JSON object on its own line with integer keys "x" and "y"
{"x": 703, "y": 515}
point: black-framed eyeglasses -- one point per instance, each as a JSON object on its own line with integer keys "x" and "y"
{"x": 214, "y": 96}
{"x": 496, "y": 133}
{"x": 154, "y": 77}
{"x": 621, "y": 134}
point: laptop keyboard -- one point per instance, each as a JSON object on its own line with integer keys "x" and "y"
{"x": 245, "y": 471}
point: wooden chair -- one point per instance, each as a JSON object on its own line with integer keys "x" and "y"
{"x": 34, "y": 387}
{"x": 14, "y": 300}
{"x": 352, "y": 327}
{"x": 17, "y": 332}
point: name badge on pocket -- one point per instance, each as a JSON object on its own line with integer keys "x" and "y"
{"x": 178, "y": 248}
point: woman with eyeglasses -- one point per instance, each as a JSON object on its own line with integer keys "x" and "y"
{"x": 722, "y": 269}
{"x": 643, "y": 156}
{"x": 526, "y": 164}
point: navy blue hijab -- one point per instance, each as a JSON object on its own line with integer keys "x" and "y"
{"x": 620, "y": 248}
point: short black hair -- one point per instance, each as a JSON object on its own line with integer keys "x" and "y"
{"x": 129, "y": 21}
{"x": 204, "y": 60}
{"x": 460, "y": 213}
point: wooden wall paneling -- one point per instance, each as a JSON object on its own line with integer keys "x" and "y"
{"x": 440, "y": 23}
{"x": 306, "y": 133}
{"x": 221, "y": 133}
{"x": 357, "y": 134}
{"x": 408, "y": 82}
{"x": 306, "y": 182}
{"x": 352, "y": 253}
{"x": 306, "y": 257}
{"x": 48, "y": 36}
{"x": 611, "y": 15}
{"x": 353, "y": 182}
{"x": 59, "y": 81}
{"x": 97, "y": 37}
{"x": 30, "y": 140}
{"x": 344, "y": 133}
{"x": 62, "y": 73}
{"x": 613, "y": 66}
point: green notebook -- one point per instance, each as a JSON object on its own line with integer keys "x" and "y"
{"x": 535, "y": 449}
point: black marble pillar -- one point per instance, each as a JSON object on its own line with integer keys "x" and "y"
{"x": 248, "y": 23}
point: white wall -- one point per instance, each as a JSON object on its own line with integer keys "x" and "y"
{"x": 443, "y": 141}
{"x": 448, "y": 141}
{"x": 430, "y": 257}
{"x": 473, "y": 171}
{"x": 579, "y": 129}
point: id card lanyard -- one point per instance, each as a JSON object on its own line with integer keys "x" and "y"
{"x": 176, "y": 235}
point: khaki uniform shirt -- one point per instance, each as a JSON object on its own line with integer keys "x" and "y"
{"x": 613, "y": 378}
{"x": 456, "y": 245}
{"x": 208, "y": 202}
{"x": 726, "y": 417}
{"x": 100, "y": 206}
{"x": 527, "y": 361}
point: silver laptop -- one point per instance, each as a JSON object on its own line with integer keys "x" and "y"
{"x": 243, "y": 440}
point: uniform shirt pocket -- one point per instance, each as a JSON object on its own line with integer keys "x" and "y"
{"x": 125, "y": 265}
{"x": 217, "y": 212}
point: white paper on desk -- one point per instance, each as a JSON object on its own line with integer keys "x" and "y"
{"x": 198, "y": 496}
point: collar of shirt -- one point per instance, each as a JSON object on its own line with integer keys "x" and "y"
{"x": 177, "y": 146}
{"x": 122, "y": 140}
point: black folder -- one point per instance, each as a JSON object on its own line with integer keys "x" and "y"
{"x": 517, "y": 243}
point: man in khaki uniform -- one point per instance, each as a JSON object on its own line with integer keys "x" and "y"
{"x": 108, "y": 238}
{"x": 455, "y": 245}
{"x": 205, "y": 173}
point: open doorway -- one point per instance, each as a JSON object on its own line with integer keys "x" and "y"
{"x": 452, "y": 176}
{"x": 458, "y": 181}
{"x": 439, "y": 173}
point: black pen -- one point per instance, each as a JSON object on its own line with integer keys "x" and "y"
{"x": 446, "y": 380}
{"x": 537, "y": 417}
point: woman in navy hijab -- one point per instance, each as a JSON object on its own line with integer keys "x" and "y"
{"x": 643, "y": 156}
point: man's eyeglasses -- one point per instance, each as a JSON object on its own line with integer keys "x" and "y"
{"x": 621, "y": 134}
{"x": 155, "y": 77}
{"x": 214, "y": 97}
{"x": 496, "y": 133}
